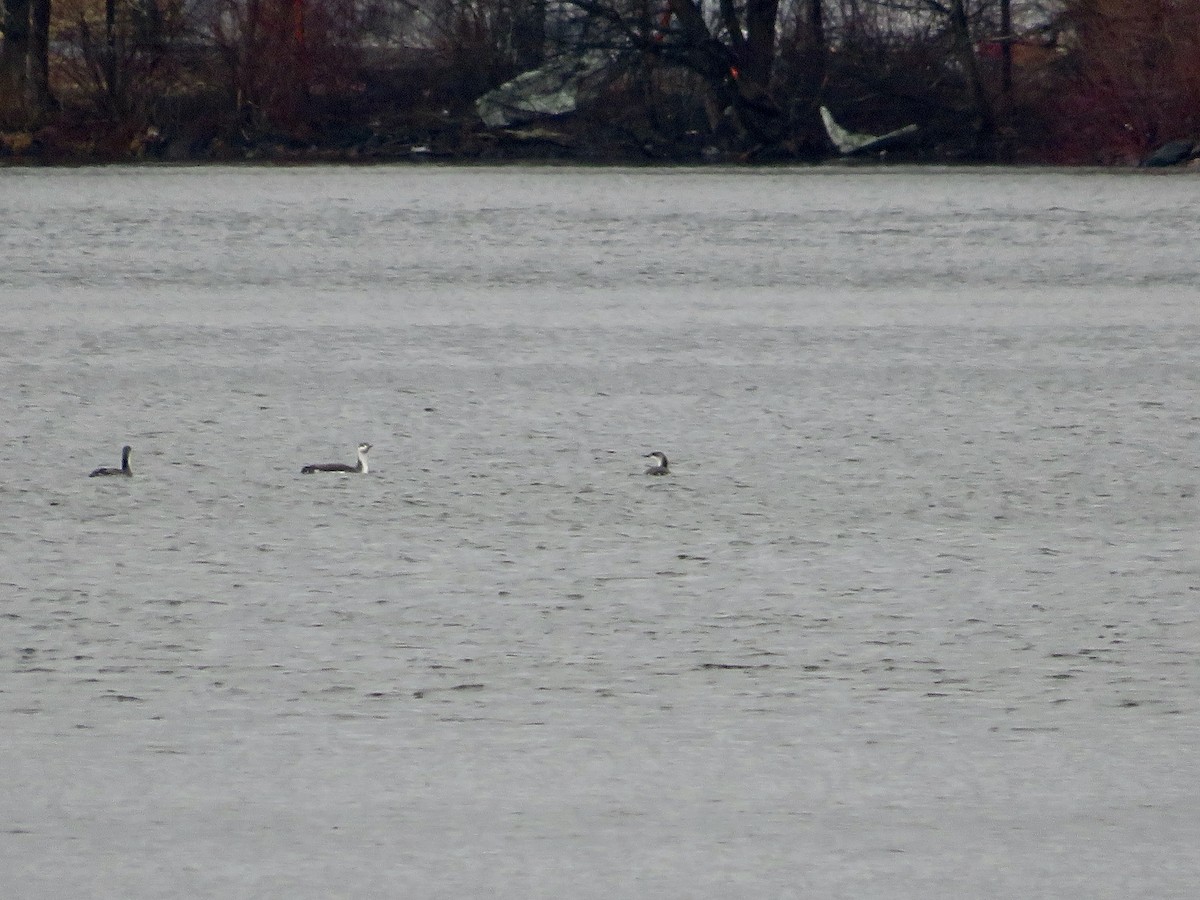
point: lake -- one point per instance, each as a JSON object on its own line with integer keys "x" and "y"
{"x": 915, "y": 614}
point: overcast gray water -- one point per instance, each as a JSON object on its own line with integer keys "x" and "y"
{"x": 915, "y": 615}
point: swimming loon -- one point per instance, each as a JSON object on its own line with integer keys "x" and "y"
{"x": 341, "y": 467}
{"x": 660, "y": 467}
{"x": 109, "y": 470}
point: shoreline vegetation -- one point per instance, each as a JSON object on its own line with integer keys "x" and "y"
{"x": 1036, "y": 82}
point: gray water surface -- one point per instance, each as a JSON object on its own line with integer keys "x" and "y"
{"x": 916, "y": 614}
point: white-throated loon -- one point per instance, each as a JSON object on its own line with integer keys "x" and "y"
{"x": 341, "y": 467}
{"x": 661, "y": 466}
{"x": 109, "y": 470}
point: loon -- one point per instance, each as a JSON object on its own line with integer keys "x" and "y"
{"x": 660, "y": 467}
{"x": 109, "y": 470}
{"x": 341, "y": 467}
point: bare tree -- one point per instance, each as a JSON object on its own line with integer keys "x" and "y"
{"x": 25, "y": 59}
{"x": 122, "y": 53}
{"x": 278, "y": 54}
{"x": 732, "y": 50}
{"x": 482, "y": 43}
{"x": 14, "y": 57}
{"x": 955, "y": 24}
{"x": 39, "y": 56}
{"x": 1133, "y": 79}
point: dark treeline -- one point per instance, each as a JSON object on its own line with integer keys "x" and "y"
{"x": 1061, "y": 81}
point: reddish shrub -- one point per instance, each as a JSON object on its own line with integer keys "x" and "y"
{"x": 1134, "y": 79}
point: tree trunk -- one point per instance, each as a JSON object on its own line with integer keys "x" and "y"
{"x": 706, "y": 55}
{"x": 1006, "y": 59}
{"x": 529, "y": 34}
{"x": 14, "y": 59}
{"x": 734, "y": 55}
{"x": 745, "y": 66}
{"x": 760, "y": 42}
{"x": 964, "y": 49}
{"x": 110, "y": 54}
{"x": 816, "y": 47}
{"x": 39, "y": 58}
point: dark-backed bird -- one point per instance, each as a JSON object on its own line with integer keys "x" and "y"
{"x": 341, "y": 467}
{"x": 660, "y": 466}
{"x": 109, "y": 470}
